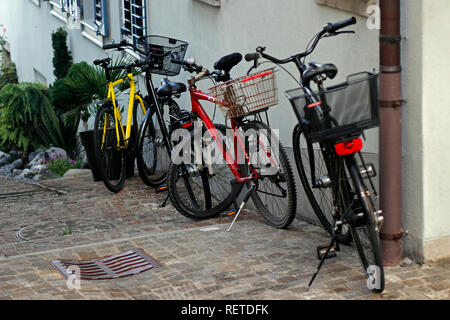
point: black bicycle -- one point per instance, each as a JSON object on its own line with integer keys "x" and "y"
{"x": 155, "y": 133}
{"x": 151, "y": 134}
{"x": 326, "y": 140}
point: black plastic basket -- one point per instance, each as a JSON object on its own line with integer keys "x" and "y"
{"x": 353, "y": 107}
{"x": 159, "y": 44}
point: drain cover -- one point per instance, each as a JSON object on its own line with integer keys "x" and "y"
{"x": 121, "y": 265}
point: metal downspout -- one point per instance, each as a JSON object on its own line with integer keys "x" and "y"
{"x": 390, "y": 132}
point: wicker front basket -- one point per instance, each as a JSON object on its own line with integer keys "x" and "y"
{"x": 247, "y": 95}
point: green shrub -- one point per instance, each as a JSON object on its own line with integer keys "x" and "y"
{"x": 63, "y": 96}
{"x": 27, "y": 118}
{"x": 8, "y": 74}
{"x": 62, "y": 58}
{"x": 60, "y": 165}
{"x": 85, "y": 84}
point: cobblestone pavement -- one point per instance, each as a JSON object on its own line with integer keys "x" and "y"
{"x": 200, "y": 259}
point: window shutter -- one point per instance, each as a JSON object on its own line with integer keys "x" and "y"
{"x": 101, "y": 17}
{"x": 134, "y": 21}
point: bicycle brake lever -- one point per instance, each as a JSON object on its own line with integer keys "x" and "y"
{"x": 338, "y": 33}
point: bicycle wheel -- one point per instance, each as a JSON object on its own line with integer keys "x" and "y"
{"x": 201, "y": 190}
{"x": 110, "y": 159}
{"x": 365, "y": 235}
{"x": 275, "y": 196}
{"x": 321, "y": 198}
{"x": 151, "y": 151}
{"x": 139, "y": 112}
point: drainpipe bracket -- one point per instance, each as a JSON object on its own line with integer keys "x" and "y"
{"x": 391, "y": 69}
{"x": 392, "y": 104}
{"x": 391, "y": 236}
{"x": 390, "y": 39}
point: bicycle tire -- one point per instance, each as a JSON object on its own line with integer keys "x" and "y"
{"x": 365, "y": 236}
{"x": 192, "y": 206}
{"x": 320, "y": 199}
{"x": 147, "y": 151}
{"x": 286, "y": 209}
{"x": 111, "y": 161}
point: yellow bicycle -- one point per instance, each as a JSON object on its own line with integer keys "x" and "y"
{"x": 112, "y": 141}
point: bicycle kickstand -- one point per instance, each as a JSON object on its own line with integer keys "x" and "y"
{"x": 244, "y": 202}
{"x": 162, "y": 205}
{"x": 324, "y": 257}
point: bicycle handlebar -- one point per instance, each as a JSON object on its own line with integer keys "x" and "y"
{"x": 328, "y": 30}
{"x": 333, "y": 27}
{"x": 192, "y": 67}
{"x": 189, "y": 66}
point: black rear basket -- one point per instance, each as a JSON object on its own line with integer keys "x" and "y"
{"x": 159, "y": 44}
{"x": 353, "y": 107}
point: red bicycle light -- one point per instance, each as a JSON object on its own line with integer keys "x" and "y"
{"x": 348, "y": 147}
{"x": 312, "y": 105}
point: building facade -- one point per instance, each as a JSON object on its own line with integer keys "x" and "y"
{"x": 214, "y": 28}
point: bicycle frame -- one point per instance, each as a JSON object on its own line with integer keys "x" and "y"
{"x": 196, "y": 97}
{"x": 132, "y": 97}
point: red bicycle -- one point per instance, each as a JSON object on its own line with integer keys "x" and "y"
{"x": 207, "y": 182}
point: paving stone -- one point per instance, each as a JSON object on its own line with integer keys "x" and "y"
{"x": 241, "y": 264}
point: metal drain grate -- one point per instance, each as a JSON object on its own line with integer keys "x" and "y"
{"x": 121, "y": 265}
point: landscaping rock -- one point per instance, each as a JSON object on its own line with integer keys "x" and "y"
{"x": 37, "y": 159}
{"x": 76, "y": 172}
{"x": 37, "y": 168}
{"x": 37, "y": 178}
{"x": 16, "y": 172}
{"x": 14, "y": 154}
{"x": 4, "y": 158}
{"x": 41, "y": 155}
{"x": 55, "y": 152}
{"x": 33, "y": 155}
{"x": 26, "y": 174}
{"x": 15, "y": 165}
{"x": 4, "y": 171}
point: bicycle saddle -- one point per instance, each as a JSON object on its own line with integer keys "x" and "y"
{"x": 226, "y": 63}
{"x": 315, "y": 69}
{"x": 169, "y": 88}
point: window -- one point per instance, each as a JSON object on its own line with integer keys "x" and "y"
{"x": 63, "y": 9}
{"x": 95, "y": 16}
{"x": 134, "y": 19}
{"x": 354, "y": 6}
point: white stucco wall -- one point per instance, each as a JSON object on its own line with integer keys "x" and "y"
{"x": 426, "y": 150}
{"x": 435, "y": 115}
{"x": 284, "y": 27}
{"x": 412, "y": 150}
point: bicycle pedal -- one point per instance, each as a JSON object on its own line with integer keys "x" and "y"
{"x": 322, "y": 250}
{"x": 161, "y": 189}
{"x": 228, "y": 213}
